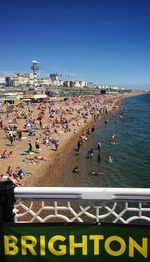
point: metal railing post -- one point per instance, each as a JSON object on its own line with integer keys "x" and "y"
{"x": 7, "y": 201}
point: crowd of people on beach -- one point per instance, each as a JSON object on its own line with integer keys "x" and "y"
{"x": 34, "y": 131}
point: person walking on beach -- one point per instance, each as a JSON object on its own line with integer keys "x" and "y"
{"x": 30, "y": 147}
{"x": 1, "y": 124}
{"x": 78, "y": 145}
{"x": 40, "y": 123}
{"x": 11, "y": 137}
{"x": 19, "y": 135}
{"x": 37, "y": 145}
{"x": 93, "y": 129}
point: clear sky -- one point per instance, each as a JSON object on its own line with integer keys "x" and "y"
{"x": 104, "y": 41}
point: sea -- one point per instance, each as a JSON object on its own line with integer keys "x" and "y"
{"x": 130, "y": 151}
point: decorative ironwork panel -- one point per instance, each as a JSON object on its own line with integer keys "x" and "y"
{"x": 82, "y": 207}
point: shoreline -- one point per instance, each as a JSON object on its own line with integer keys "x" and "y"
{"x": 55, "y": 160}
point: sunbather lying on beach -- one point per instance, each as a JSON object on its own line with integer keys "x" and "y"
{"x": 5, "y": 154}
{"x": 40, "y": 158}
{"x": 30, "y": 160}
{"x": 21, "y": 172}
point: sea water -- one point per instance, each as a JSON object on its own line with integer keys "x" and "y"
{"x": 130, "y": 154}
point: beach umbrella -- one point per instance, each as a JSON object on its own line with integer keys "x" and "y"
{"x": 41, "y": 115}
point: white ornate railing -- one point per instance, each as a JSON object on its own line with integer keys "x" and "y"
{"x": 67, "y": 204}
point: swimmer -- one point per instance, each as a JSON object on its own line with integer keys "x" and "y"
{"x": 112, "y": 142}
{"x": 93, "y": 173}
{"x": 75, "y": 170}
{"x": 113, "y": 136}
{"x": 99, "y": 157}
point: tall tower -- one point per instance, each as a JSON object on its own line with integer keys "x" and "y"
{"x": 35, "y": 69}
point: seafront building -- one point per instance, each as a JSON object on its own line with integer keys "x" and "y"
{"x": 31, "y": 83}
{"x": 28, "y": 79}
{"x": 23, "y": 79}
{"x": 56, "y": 82}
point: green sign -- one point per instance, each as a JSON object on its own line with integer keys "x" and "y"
{"x": 74, "y": 242}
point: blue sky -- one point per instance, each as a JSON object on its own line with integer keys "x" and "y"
{"x": 107, "y": 42}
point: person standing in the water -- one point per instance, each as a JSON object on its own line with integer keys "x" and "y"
{"x": 99, "y": 157}
{"x": 109, "y": 159}
{"x": 112, "y": 141}
{"x": 99, "y": 145}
